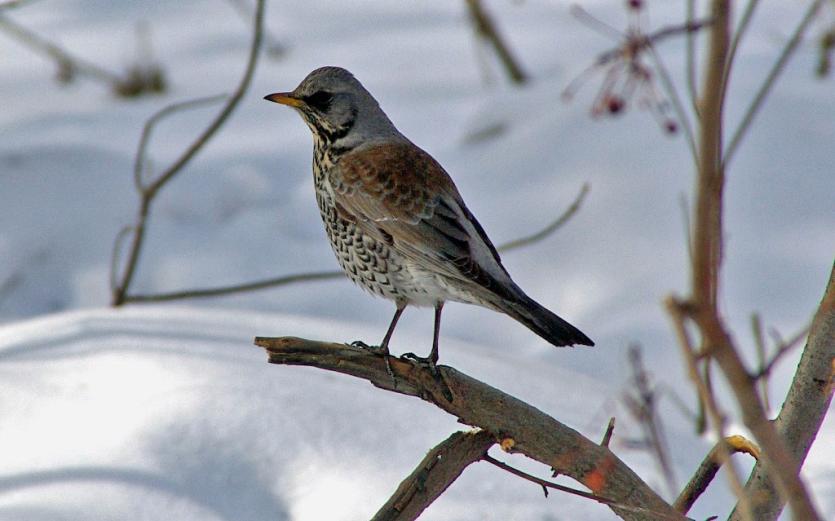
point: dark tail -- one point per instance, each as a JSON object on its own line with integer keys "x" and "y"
{"x": 542, "y": 322}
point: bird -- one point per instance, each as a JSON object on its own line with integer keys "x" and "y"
{"x": 395, "y": 219}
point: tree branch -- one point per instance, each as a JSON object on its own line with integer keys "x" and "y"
{"x": 526, "y": 429}
{"x": 806, "y": 405}
{"x": 486, "y": 28}
{"x": 441, "y": 466}
{"x": 147, "y": 193}
{"x": 284, "y": 280}
{"x": 709, "y": 467}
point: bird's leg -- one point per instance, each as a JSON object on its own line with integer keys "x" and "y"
{"x": 384, "y": 346}
{"x": 432, "y": 360}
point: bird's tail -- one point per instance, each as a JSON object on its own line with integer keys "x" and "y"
{"x": 542, "y": 322}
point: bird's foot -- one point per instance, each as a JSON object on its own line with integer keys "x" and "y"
{"x": 429, "y": 364}
{"x": 379, "y": 351}
{"x": 425, "y": 362}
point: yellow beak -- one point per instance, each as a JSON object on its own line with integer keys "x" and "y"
{"x": 285, "y": 98}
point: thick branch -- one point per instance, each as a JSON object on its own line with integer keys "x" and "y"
{"x": 441, "y": 466}
{"x": 533, "y": 433}
{"x": 805, "y": 407}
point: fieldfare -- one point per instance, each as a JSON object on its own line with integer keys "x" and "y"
{"x": 395, "y": 219}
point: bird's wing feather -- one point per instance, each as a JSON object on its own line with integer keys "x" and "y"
{"x": 398, "y": 193}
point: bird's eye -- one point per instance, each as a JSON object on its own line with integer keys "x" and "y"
{"x": 320, "y": 100}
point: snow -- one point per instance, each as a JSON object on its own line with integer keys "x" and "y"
{"x": 169, "y": 412}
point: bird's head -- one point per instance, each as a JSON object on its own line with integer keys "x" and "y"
{"x": 336, "y": 106}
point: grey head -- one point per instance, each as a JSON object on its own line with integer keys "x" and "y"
{"x": 337, "y": 108}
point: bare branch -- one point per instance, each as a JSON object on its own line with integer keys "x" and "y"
{"x": 707, "y": 259}
{"x": 545, "y": 484}
{"x": 68, "y": 64}
{"x": 551, "y": 227}
{"x": 525, "y": 429}
{"x": 148, "y": 193}
{"x": 806, "y": 405}
{"x": 238, "y": 288}
{"x": 486, "y": 28}
{"x": 770, "y": 80}
{"x": 284, "y": 280}
{"x": 441, "y": 466}
{"x": 710, "y": 466}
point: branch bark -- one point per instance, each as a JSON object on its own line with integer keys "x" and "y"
{"x": 806, "y": 405}
{"x": 521, "y": 427}
{"x": 434, "y": 474}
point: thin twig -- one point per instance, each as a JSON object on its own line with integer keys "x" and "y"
{"x": 545, "y": 484}
{"x": 642, "y": 405}
{"x": 610, "y": 429}
{"x": 770, "y": 80}
{"x": 148, "y": 193}
{"x": 68, "y": 64}
{"x": 782, "y": 349}
{"x": 759, "y": 346}
{"x": 486, "y": 28}
{"x": 672, "y": 93}
{"x": 678, "y": 311}
{"x": 690, "y": 65}
{"x": 741, "y": 28}
{"x": 150, "y": 124}
{"x": 553, "y": 226}
{"x": 284, "y": 280}
{"x": 238, "y": 288}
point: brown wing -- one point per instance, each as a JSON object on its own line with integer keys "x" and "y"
{"x": 400, "y": 194}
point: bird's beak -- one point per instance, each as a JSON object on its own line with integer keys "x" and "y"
{"x": 285, "y": 98}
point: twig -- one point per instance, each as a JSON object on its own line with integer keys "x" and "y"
{"x": 486, "y": 28}
{"x": 672, "y": 93}
{"x": 759, "y": 346}
{"x": 238, "y": 288}
{"x": 545, "y": 484}
{"x": 610, "y": 429}
{"x": 690, "y": 64}
{"x": 679, "y": 311}
{"x": 770, "y": 80}
{"x": 441, "y": 466}
{"x": 532, "y": 432}
{"x": 741, "y": 28}
{"x": 709, "y": 467}
{"x": 147, "y": 195}
{"x": 782, "y": 349}
{"x": 68, "y": 64}
{"x": 553, "y": 226}
{"x": 149, "y": 126}
{"x": 805, "y": 407}
{"x": 284, "y": 280}
{"x": 703, "y": 307}
{"x": 642, "y": 405}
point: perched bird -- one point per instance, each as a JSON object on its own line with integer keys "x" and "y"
{"x": 395, "y": 219}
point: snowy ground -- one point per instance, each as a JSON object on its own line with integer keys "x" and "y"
{"x": 168, "y": 412}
